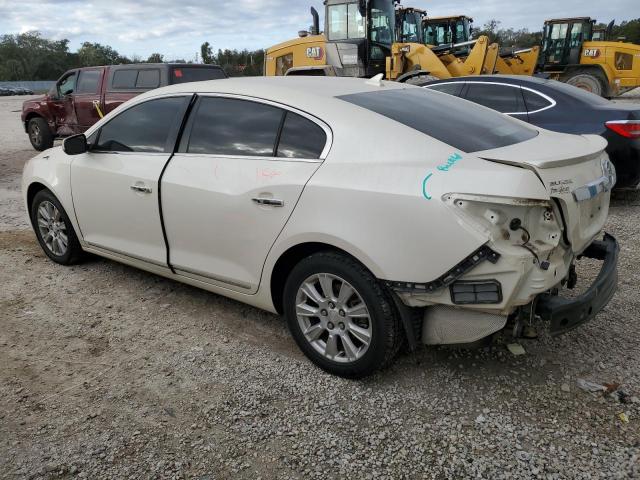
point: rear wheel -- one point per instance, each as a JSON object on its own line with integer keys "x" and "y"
{"x": 40, "y": 136}
{"x": 589, "y": 81}
{"x": 54, "y": 230}
{"x": 340, "y": 316}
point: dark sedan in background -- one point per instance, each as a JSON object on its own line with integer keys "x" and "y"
{"x": 560, "y": 107}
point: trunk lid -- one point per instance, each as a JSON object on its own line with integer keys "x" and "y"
{"x": 576, "y": 173}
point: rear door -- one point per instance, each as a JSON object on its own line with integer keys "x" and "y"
{"x": 86, "y": 98}
{"x": 228, "y": 192}
{"x": 115, "y": 184}
{"x": 124, "y": 83}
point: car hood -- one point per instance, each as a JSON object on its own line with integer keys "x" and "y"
{"x": 577, "y": 174}
{"x": 34, "y": 100}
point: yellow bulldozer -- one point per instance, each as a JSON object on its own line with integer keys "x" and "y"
{"x": 576, "y": 52}
{"x": 365, "y": 38}
{"x": 457, "y": 29}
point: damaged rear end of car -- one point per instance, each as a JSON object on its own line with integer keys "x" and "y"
{"x": 519, "y": 277}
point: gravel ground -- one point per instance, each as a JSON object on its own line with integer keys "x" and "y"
{"x": 110, "y": 372}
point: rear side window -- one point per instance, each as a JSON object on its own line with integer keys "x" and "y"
{"x": 88, "y": 81}
{"x": 226, "y": 126}
{"x": 451, "y": 120}
{"x": 148, "y": 79}
{"x": 535, "y": 101}
{"x": 450, "y": 88}
{"x": 301, "y": 138}
{"x": 143, "y": 128}
{"x": 196, "y": 74}
{"x": 132, "y": 79}
{"x": 124, "y": 79}
{"x": 502, "y": 98}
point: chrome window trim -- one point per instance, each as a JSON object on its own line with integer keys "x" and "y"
{"x": 546, "y": 97}
{"x": 325, "y": 127}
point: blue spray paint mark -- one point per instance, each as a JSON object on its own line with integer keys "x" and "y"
{"x": 451, "y": 161}
{"x": 424, "y": 186}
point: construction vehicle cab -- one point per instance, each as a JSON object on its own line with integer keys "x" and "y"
{"x": 578, "y": 53}
{"x": 365, "y": 38}
{"x": 447, "y": 30}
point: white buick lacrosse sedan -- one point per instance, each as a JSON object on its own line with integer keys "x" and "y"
{"x": 370, "y": 214}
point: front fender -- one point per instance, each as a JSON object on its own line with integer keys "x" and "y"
{"x": 51, "y": 170}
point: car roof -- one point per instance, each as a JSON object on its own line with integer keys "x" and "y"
{"x": 285, "y": 89}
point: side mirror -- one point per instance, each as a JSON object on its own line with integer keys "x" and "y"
{"x": 75, "y": 145}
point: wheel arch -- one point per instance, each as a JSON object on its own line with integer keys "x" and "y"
{"x": 290, "y": 258}
{"x": 32, "y": 191}
{"x": 29, "y": 117}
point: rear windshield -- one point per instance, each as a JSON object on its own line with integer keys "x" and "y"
{"x": 456, "y": 122}
{"x": 578, "y": 93}
{"x": 195, "y": 74}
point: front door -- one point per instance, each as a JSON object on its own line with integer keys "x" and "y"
{"x": 87, "y": 97}
{"x": 228, "y": 193}
{"x": 62, "y": 106}
{"x": 115, "y": 185}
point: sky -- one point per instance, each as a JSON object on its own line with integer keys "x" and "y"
{"x": 178, "y": 28}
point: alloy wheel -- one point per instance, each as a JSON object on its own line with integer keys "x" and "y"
{"x": 53, "y": 230}
{"x": 333, "y": 318}
{"x": 36, "y": 134}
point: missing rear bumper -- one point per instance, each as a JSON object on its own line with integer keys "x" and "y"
{"x": 565, "y": 314}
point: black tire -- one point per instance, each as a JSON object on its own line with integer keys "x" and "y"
{"x": 386, "y": 330}
{"x": 586, "y": 80}
{"x": 40, "y": 135}
{"x": 73, "y": 252}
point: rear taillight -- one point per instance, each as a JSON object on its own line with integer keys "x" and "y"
{"x": 626, "y": 128}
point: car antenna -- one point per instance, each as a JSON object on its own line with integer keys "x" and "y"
{"x": 377, "y": 80}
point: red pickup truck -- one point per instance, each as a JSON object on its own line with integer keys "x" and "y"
{"x": 82, "y": 96}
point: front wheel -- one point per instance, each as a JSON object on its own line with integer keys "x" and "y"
{"x": 40, "y": 135}
{"x": 340, "y": 316}
{"x": 587, "y": 81}
{"x": 54, "y": 230}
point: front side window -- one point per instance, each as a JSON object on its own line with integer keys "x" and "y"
{"x": 146, "y": 127}
{"x": 456, "y": 122}
{"x": 502, "y": 98}
{"x": 576, "y": 35}
{"x": 227, "y": 126}
{"x": 89, "y": 81}
{"x": 68, "y": 85}
{"x": 301, "y": 138}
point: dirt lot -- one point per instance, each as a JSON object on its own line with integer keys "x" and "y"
{"x": 110, "y": 372}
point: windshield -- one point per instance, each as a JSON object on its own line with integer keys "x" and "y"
{"x": 463, "y": 125}
{"x": 382, "y": 22}
{"x": 445, "y": 32}
{"x": 411, "y": 28}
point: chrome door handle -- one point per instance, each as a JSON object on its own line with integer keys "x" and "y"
{"x": 141, "y": 188}
{"x": 272, "y": 202}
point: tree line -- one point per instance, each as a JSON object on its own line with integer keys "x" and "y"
{"x": 523, "y": 38}
{"x": 30, "y": 56}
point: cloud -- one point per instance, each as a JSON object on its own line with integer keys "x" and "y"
{"x": 177, "y": 29}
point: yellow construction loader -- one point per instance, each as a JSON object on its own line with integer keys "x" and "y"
{"x": 457, "y": 29}
{"x": 363, "y": 38}
{"x": 576, "y": 52}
